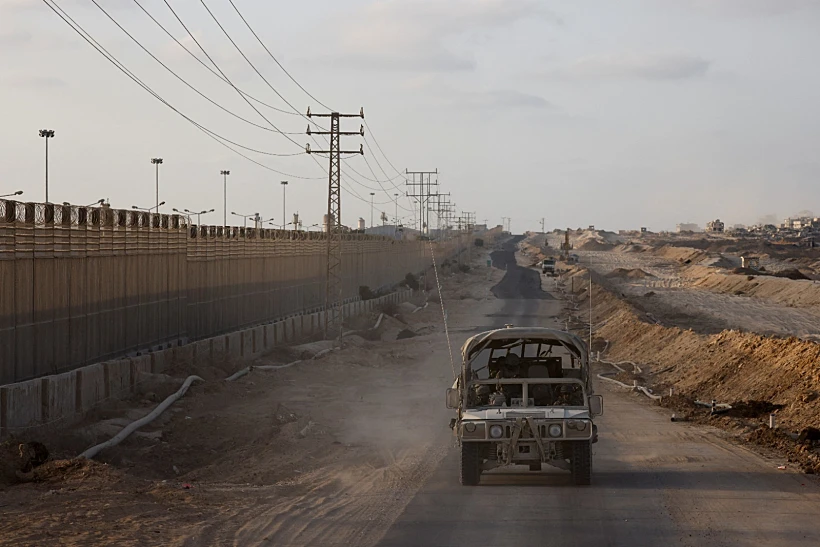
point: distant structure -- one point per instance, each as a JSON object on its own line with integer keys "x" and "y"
{"x": 800, "y": 223}
{"x": 687, "y": 227}
{"x": 715, "y": 226}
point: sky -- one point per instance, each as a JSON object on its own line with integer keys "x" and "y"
{"x": 618, "y": 114}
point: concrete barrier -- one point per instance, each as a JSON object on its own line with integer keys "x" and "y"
{"x": 219, "y": 349}
{"x": 72, "y": 394}
{"x": 161, "y": 360}
{"x": 118, "y": 378}
{"x": 21, "y": 405}
{"x": 60, "y": 396}
{"x": 234, "y": 343}
{"x": 258, "y": 340}
{"x": 270, "y": 336}
{"x": 247, "y": 343}
{"x": 91, "y": 387}
{"x": 183, "y": 356}
{"x": 279, "y": 333}
{"x": 139, "y": 366}
{"x": 202, "y": 352}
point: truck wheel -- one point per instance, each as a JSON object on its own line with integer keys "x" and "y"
{"x": 535, "y": 466}
{"x": 471, "y": 461}
{"x": 581, "y": 462}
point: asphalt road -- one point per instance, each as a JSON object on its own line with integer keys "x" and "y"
{"x": 655, "y": 482}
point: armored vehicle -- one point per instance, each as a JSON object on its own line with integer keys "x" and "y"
{"x": 524, "y": 397}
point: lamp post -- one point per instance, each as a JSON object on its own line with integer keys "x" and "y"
{"x": 17, "y": 193}
{"x": 371, "y": 208}
{"x": 225, "y": 197}
{"x": 198, "y": 214}
{"x": 157, "y": 162}
{"x": 148, "y": 209}
{"x": 246, "y": 217}
{"x": 284, "y": 200}
{"x": 47, "y": 134}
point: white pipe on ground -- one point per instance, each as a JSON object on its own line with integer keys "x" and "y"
{"x": 145, "y": 420}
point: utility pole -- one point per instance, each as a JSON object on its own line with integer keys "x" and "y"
{"x": 396, "y": 218}
{"x": 157, "y": 162}
{"x": 439, "y": 203}
{"x": 371, "y": 208}
{"x": 423, "y": 197}
{"x": 225, "y": 197}
{"x": 47, "y": 134}
{"x": 284, "y": 201}
{"x": 333, "y": 285}
{"x": 542, "y": 226}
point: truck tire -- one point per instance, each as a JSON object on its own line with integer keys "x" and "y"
{"x": 471, "y": 462}
{"x": 581, "y": 463}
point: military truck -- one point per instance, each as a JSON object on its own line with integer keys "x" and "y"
{"x": 548, "y": 266}
{"x": 524, "y": 397}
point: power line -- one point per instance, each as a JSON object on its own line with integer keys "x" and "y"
{"x": 223, "y": 73}
{"x": 211, "y": 70}
{"x": 181, "y": 79}
{"x": 76, "y": 27}
{"x": 370, "y": 132}
{"x": 242, "y": 53}
{"x": 274, "y": 58}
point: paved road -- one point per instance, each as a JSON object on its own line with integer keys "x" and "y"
{"x": 655, "y": 483}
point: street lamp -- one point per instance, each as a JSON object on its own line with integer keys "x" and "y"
{"x": 17, "y": 193}
{"x": 149, "y": 209}
{"x": 371, "y": 208}
{"x": 47, "y": 134}
{"x": 284, "y": 200}
{"x": 157, "y": 162}
{"x": 246, "y": 217}
{"x": 225, "y": 196}
{"x": 198, "y": 214}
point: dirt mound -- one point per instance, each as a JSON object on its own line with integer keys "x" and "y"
{"x": 594, "y": 245}
{"x": 791, "y": 292}
{"x": 625, "y": 273}
{"x": 752, "y": 409}
{"x": 800, "y": 454}
{"x": 792, "y": 273}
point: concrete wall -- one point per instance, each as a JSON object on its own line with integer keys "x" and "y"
{"x": 61, "y": 399}
{"x": 81, "y": 286}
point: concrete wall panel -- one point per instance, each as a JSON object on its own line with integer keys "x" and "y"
{"x": 22, "y": 404}
{"x": 91, "y": 387}
{"x": 118, "y": 378}
{"x": 60, "y": 395}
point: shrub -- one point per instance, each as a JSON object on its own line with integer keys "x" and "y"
{"x": 411, "y": 281}
{"x": 365, "y": 293}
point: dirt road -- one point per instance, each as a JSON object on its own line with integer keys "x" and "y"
{"x": 655, "y": 483}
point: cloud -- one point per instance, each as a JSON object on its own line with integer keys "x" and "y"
{"x": 749, "y": 8}
{"x": 34, "y": 82}
{"x": 14, "y": 38}
{"x": 503, "y": 99}
{"x": 635, "y": 66}
{"x": 418, "y": 35}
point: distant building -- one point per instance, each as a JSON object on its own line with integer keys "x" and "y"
{"x": 687, "y": 227}
{"x": 800, "y": 223}
{"x": 715, "y": 226}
